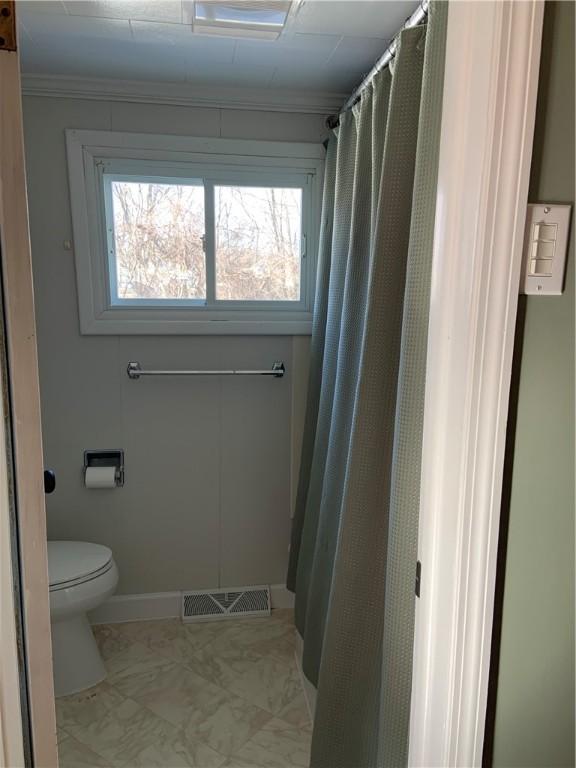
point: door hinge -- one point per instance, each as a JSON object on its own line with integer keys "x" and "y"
{"x": 418, "y": 578}
{"x": 7, "y": 25}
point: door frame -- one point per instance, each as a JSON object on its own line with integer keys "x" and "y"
{"x": 26, "y": 462}
{"x": 491, "y": 81}
{"x": 490, "y": 89}
{"x": 11, "y": 726}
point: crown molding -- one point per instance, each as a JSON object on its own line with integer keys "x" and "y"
{"x": 183, "y": 94}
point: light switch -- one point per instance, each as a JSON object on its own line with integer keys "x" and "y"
{"x": 543, "y": 249}
{"x": 545, "y": 244}
{"x": 541, "y": 267}
{"x": 545, "y": 231}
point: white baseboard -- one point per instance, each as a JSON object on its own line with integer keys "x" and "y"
{"x": 307, "y": 687}
{"x": 155, "y": 605}
{"x": 163, "y": 605}
{"x": 280, "y": 597}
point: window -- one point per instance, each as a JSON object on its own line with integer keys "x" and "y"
{"x": 258, "y": 243}
{"x": 158, "y": 249}
{"x": 155, "y": 240}
{"x": 178, "y": 235}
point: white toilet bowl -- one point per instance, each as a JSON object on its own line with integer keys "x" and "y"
{"x": 82, "y": 576}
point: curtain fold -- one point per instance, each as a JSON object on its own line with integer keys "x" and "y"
{"x": 353, "y": 553}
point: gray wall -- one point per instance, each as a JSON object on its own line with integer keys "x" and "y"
{"x": 210, "y": 464}
{"x": 535, "y": 695}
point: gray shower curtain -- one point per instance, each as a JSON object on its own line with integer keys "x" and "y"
{"x": 354, "y": 539}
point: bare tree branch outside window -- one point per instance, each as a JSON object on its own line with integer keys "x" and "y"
{"x": 258, "y": 231}
{"x": 159, "y": 231}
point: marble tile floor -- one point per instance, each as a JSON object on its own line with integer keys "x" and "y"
{"x": 210, "y": 695}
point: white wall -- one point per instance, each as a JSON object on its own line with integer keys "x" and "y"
{"x": 209, "y": 462}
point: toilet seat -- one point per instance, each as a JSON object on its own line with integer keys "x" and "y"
{"x": 71, "y": 563}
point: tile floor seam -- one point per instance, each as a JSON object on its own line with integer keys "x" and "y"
{"x": 94, "y": 748}
{"x": 250, "y": 701}
{"x": 64, "y": 731}
{"x": 172, "y": 725}
{"x": 185, "y": 741}
{"x": 262, "y": 657}
{"x": 211, "y": 683}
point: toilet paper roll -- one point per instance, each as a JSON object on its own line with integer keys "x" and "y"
{"x": 100, "y": 477}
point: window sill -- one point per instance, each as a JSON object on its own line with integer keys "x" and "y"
{"x": 123, "y": 323}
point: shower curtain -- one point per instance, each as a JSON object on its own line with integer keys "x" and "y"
{"x": 354, "y": 540}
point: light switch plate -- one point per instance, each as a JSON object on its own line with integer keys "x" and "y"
{"x": 545, "y": 246}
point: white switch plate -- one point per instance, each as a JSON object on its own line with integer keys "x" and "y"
{"x": 545, "y": 246}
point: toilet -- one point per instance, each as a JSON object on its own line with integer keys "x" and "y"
{"x": 81, "y": 576}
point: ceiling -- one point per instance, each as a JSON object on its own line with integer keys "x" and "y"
{"x": 326, "y": 46}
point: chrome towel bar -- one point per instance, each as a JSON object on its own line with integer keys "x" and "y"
{"x": 135, "y": 370}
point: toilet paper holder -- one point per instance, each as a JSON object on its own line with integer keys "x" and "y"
{"x": 106, "y": 458}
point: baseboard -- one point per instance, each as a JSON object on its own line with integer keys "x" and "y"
{"x": 280, "y": 597}
{"x": 155, "y": 605}
{"x": 163, "y": 605}
{"x": 307, "y": 687}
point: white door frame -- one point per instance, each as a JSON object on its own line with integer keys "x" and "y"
{"x": 28, "y": 486}
{"x": 11, "y": 736}
{"x": 490, "y": 87}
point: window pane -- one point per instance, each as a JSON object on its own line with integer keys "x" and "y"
{"x": 158, "y": 238}
{"x": 258, "y": 234}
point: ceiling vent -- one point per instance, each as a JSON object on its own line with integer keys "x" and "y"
{"x": 264, "y": 19}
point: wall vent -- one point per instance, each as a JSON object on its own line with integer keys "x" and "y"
{"x": 211, "y": 605}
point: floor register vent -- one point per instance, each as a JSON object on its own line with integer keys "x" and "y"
{"x": 211, "y": 605}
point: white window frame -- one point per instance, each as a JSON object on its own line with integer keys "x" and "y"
{"x": 95, "y": 157}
